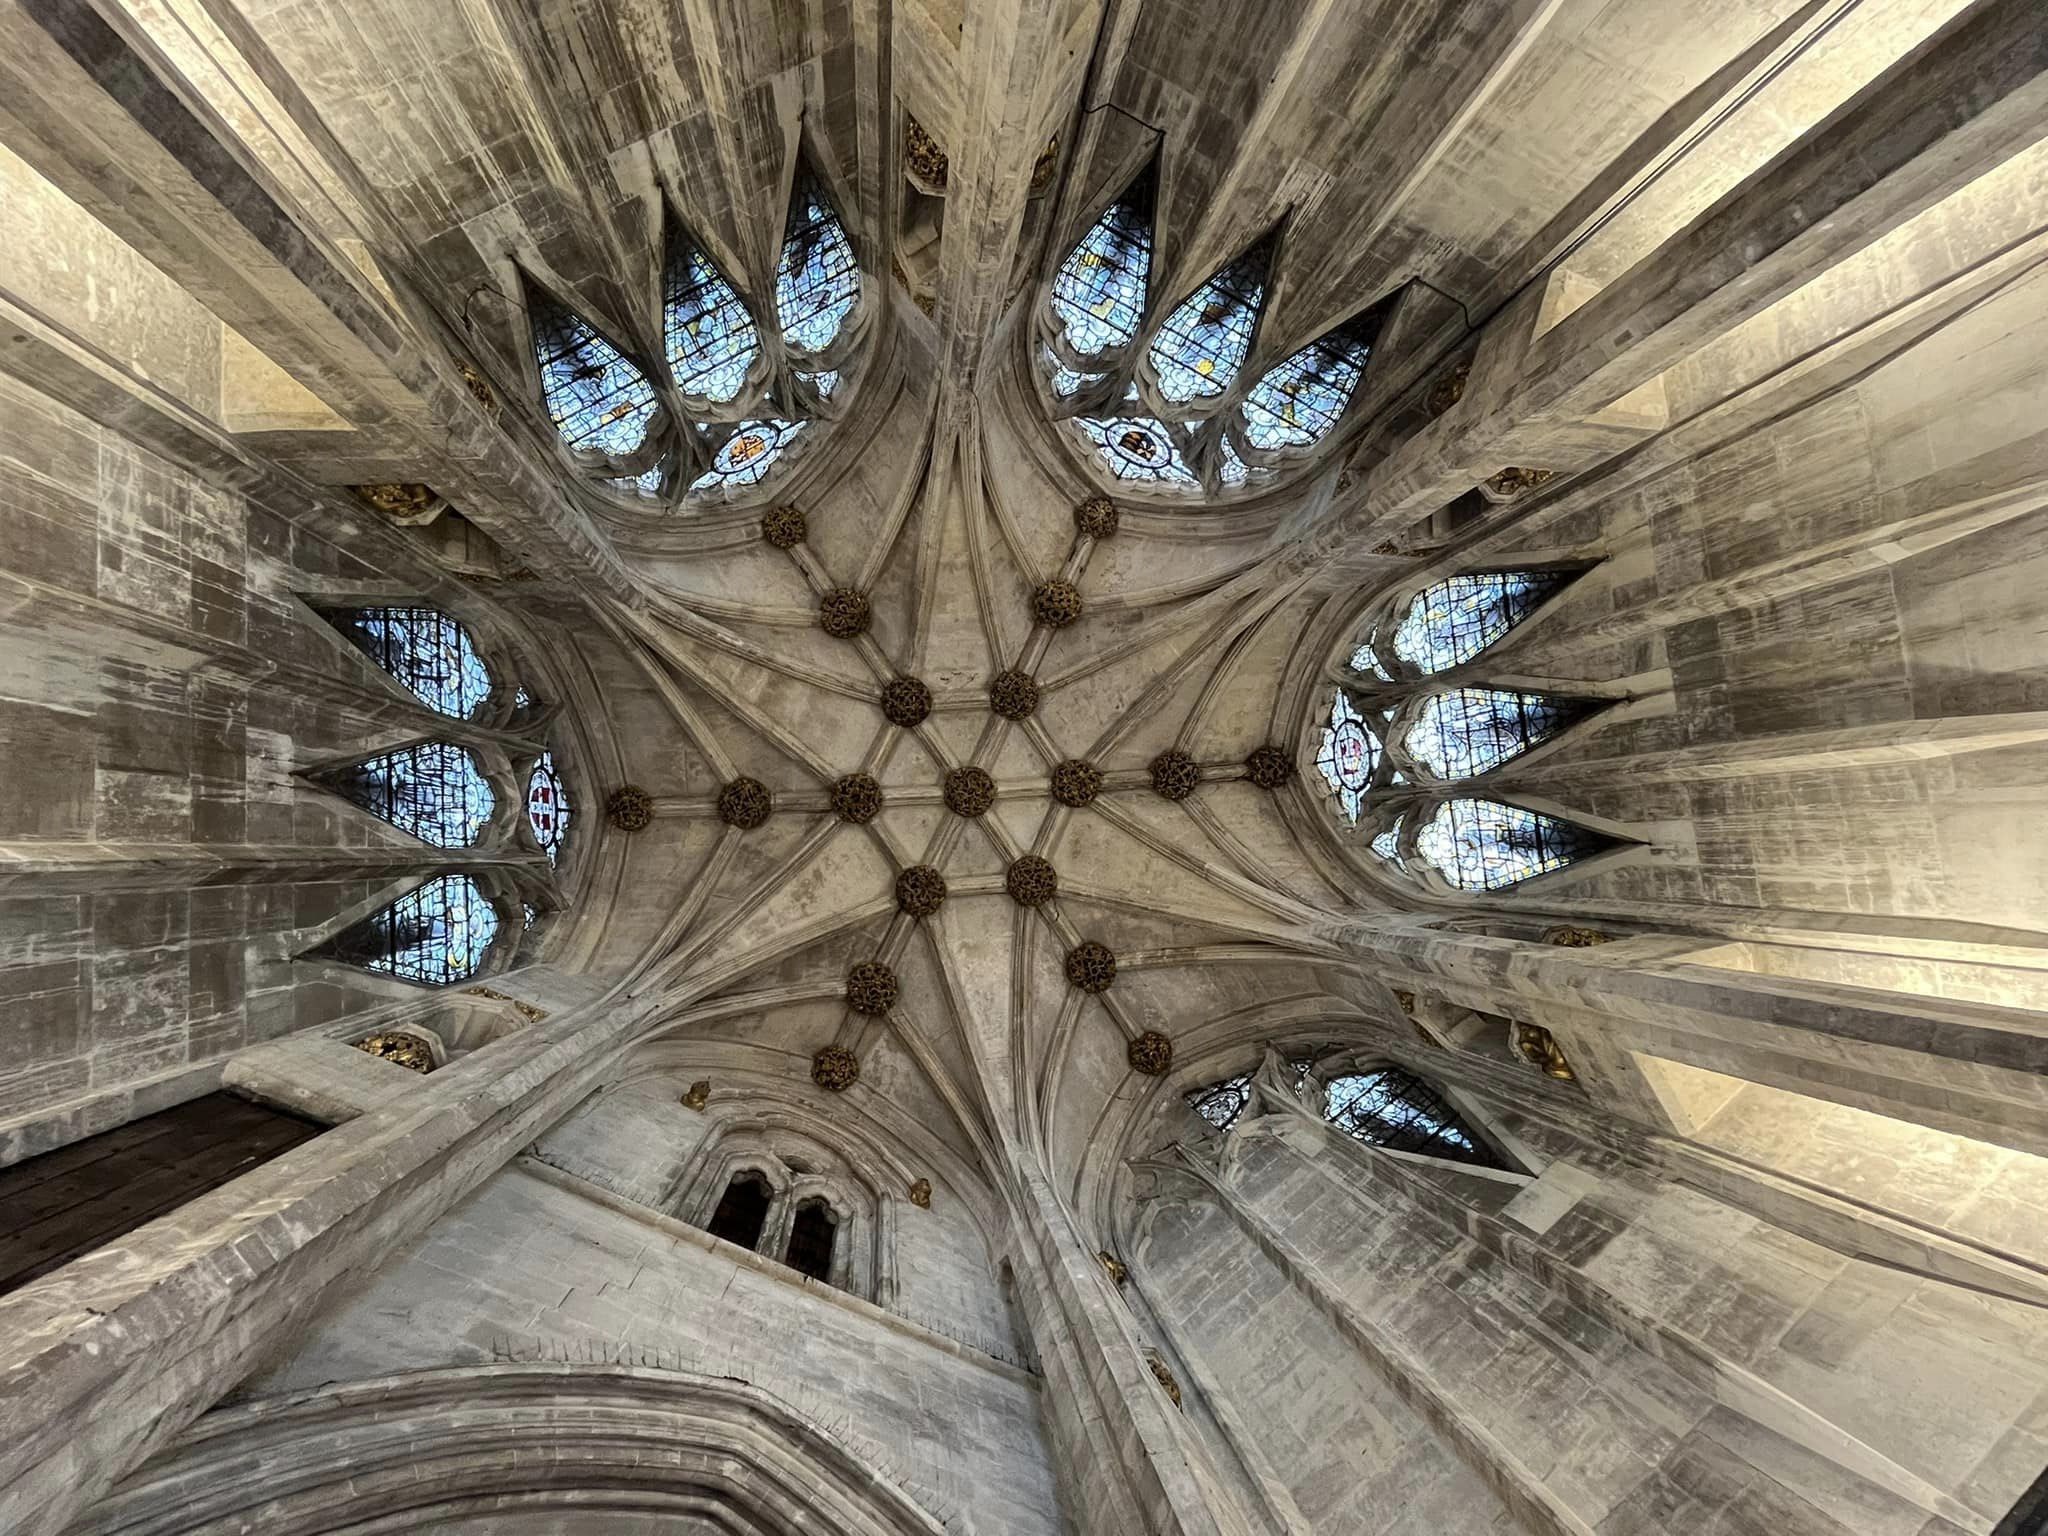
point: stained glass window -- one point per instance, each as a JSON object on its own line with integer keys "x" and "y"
{"x": 1398, "y": 1110}
{"x": 818, "y": 282}
{"x": 746, "y": 457}
{"x": 1234, "y": 471}
{"x": 1348, "y": 756}
{"x": 1297, "y": 403}
{"x": 1388, "y": 845}
{"x": 435, "y": 935}
{"x": 547, "y": 806}
{"x": 824, "y": 383}
{"x": 1221, "y": 1103}
{"x": 1471, "y": 730}
{"x": 1197, "y": 352}
{"x": 424, "y": 649}
{"x": 1453, "y": 621}
{"x": 1485, "y": 845}
{"x": 1138, "y": 448}
{"x": 433, "y": 790}
{"x": 709, "y": 334}
{"x": 647, "y": 485}
{"x": 1098, "y": 294}
{"x": 598, "y": 400}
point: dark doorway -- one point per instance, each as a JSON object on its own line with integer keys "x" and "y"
{"x": 743, "y": 1210}
{"x": 62, "y": 1204}
{"x": 810, "y": 1239}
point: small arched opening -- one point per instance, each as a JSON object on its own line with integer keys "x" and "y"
{"x": 742, "y": 1210}
{"x": 811, "y": 1235}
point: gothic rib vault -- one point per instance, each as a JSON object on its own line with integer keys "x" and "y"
{"x": 1287, "y": 760}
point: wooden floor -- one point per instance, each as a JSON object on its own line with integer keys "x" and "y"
{"x": 68, "y": 1202}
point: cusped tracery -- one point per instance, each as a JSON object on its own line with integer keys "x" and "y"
{"x": 708, "y": 331}
{"x": 601, "y": 401}
{"x": 547, "y": 806}
{"x": 426, "y": 650}
{"x": 1099, "y": 292}
{"x": 432, "y": 790}
{"x": 435, "y": 934}
{"x": 817, "y": 283}
{"x": 1196, "y": 353}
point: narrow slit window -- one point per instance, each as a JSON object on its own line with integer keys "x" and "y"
{"x": 598, "y": 399}
{"x": 1398, "y": 1110}
{"x": 742, "y": 1210}
{"x": 434, "y": 935}
{"x": 1203, "y": 343}
{"x": 710, "y": 336}
{"x": 1470, "y": 731}
{"x": 811, "y": 1235}
{"x": 432, "y": 790}
{"x": 1098, "y": 294}
{"x": 818, "y": 282}
{"x": 1453, "y": 621}
{"x": 1486, "y": 845}
{"x": 547, "y": 806}
{"x": 424, "y": 649}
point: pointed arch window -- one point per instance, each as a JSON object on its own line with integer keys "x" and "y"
{"x": 1488, "y": 845}
{"x": 547, "y": 806}
{"x": 433, "y": 790}
{"x": 1451, "y": 622}
{"x": 742, "y": 1210}
{"x": 1470, "y": 731}
{"x": 709, "y": 333}
{"x": 434, "y": 935}
{"x": 1138, "y": 448}
{"x": 425, "y": 649}
{"x": 812, "y": 1232}
{"x": 824, "y": 383}
{"x": 748, "y": 454}
{"x": 1396, "y": 1109}
{"x": 1099, "y": 292}
{"x": 818, "y": 281}
{"x": 599, "y": 399}
{"x": 1297, "y": 404}
{"x": 1222, "y": 1103}
{"x": 1197, "y": 352}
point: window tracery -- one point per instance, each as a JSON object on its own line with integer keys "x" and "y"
{"x": 432, "y": 790}
{"x": 1139, "y": 448}
{"x": 1297, "y": 404}
{"x": 598, "y": 399}
{"x": 426, "y": 650}
{"x": 746, "y": 456}
{"x": 1198, "y": 350}
{"x": 1388, "y": 748}
{"x": 818, "y": 281}
{"x": 547, "y": 806}
{"x": 1100, "y": 289}
{"x": 710, "y": 334}
{"x": 435, "y": 935}
{"x": 1395, "y": 1109}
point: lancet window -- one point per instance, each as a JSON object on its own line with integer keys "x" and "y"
{"x": 812, "y": 1232}
{"x": 1406, "y": 756}
{"x": 1393, "y": 1108}
{"x": 711, "y": 410}
{"x": 436, "y": 934}
{"x": 433, "y": 790}
{"x": 423, "y": 648}
{"x": 1177, "y": 413}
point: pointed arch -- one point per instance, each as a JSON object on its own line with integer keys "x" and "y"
{"x": 1454, "y": 620}
{"x": 1480, "y": 845}
{"x": 1297, "y": 403}
{"x": 432, "y": 790}
{"x": 435, "y": 935}
{"x": 424, "y": 649}
{"x": 600, "y": 400}
{"x": 1199, "y": 348}
{"x": 1100, "y": 291}
{"x": 1391, "y": 1107}
{"x": 1464, "y": 732}
{"x": 707, "y": 330}
{"x": 817, "y": 282}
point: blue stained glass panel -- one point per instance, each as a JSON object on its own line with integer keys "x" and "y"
{"x": 1235, "y": 472}
{"x": 647, "y": 486}
{"x": 434, "y": 935}
{"x": 1471, "y": 730}
{"x": 1296, "y": 404}
{"x": 1066, "y": 383}
{"x": 1348, "y": 756}
{"x": 818, "y": 282}
{"x": 1398, "y": 1110}
{"x": 1098, "y": 294}
{"x": 1453, "y": 621}
{"x": 1138, "y": 448}
{"x": 1484, "y": 845}
{"x": 432, "y": 790}
{"x": 424, "y": 649}
{"x": 598, "y": 400}
{"x": 710, "y": 336}
{"x": 1197, "y": 352}
{"x": 746, "y": 457}
{"x": 547, "y": 806}
{"x": 1388, "y": 845}
{"x": 824, "y": 383}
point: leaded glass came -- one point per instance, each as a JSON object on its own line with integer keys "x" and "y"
{"x": 547, "y": 806}
{"x": 1221, "y": 1103}
{"x": 1487, "y": 845}
{"x": 1138, "y": 448}
{"x": 1399, "y": 1111}
{"x": 1470, "y": 731}
{"x": 432, "y": 790}
{"x": 1197, "y": 352}
{"x": 818, "y": 282}
{"x": 748, "y": 454}
{"x": 1453, "y": 621}
{"x": 1348, "y": 756}
{"x": 1296, "y": 404}
{"x": 424, "y": 649}
{"x": 710, "y": 336}
{"x": 597, "y": 398}
{"x": 434, "y": 935}
{"x": 1099, "y": 291}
